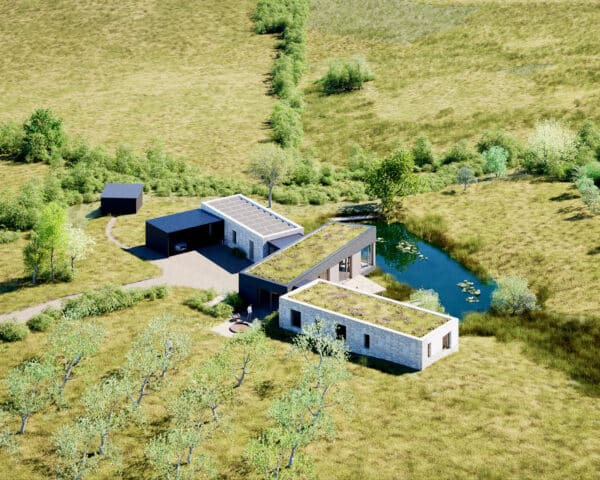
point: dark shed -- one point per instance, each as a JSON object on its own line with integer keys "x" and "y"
{"x": 121, "y": 198}
{"x": 183, "y": 231}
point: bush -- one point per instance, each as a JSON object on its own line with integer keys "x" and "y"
{"x": 43, "y": 137}
{"x": 427, "y": 299}
{"x": 7, "y": 236}
{"x": 287, "y": 196}
{"x": 221, "y": 310}
{"x": 495, "y": 160}
{"x": 423, "y": 152}
{"x": 11, "y": 140}
{"x": 11, "y": 331}
{"x": 346, "y": 75}
{"x": 199, "y": 299}
{"x": 512, "y": 297}
{"x": 287, "y": 125}
{"x": 316, "y": 197}
{"x": 44, "y": 320}
{"x": 552, "y": 150}
{"x": 274, "y": 16}
{"x": 235, "y": 300}
{"x": 498, "y": 138}
{"x": 460, "y": 152}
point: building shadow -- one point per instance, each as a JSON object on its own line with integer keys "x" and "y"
{"x": 145, "y": 253}
{"x": 223, "y": 257}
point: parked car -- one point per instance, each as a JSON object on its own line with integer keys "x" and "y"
{"x": 181, "y": 247}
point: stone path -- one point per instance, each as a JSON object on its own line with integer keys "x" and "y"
{"x": 209, "y": 267}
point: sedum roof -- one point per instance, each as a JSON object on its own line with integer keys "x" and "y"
{"x": 287, "y": 264}
{"x": 402, "y": 317}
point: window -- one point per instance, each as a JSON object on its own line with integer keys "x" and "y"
{"x": 345, "y": 265}
{"x": 446, "y": 341}
{"x": 234, "y": 236}
{"x": 367, "y": 341}
{"x": 296, "y": 318}
{"x": 251, "y": 250}
{"x": 340, "y": 332}
{"x": 366, "y": 256}
{"x": 429, "y": 349}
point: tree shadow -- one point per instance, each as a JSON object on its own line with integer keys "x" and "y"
{"x": 564, "y": 196}
{"x": 594, "y": 251}
{"x": 15, "y": 284}
{"x": 370, "y": 208}
{"x": 578, "y": 216}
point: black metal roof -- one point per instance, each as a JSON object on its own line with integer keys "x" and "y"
{"x": 285, "y": 241}
{"x": 122, "y": 190}
{"x": 183, "y": 220}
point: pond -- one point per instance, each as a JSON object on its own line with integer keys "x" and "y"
{"x": 421, "y": 265}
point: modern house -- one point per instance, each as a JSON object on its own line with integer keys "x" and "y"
{"x": 334, "y": 252}
{"x": 121, "y": 198}
{"x": 372, "y": 325}
{"x": 236, "y": 221}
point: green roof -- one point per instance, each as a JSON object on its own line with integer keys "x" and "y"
{"x": 377, "y": 310}
{"x": 287, "y": 264}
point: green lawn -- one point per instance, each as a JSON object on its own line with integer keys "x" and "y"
{"x": 535, "y": 229}
{"x": 190, "y": 74}
{"x": 450, "y": 69}
{"x": 485, "y": 412}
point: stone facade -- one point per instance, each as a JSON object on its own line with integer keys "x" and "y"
{"x": 382, "y": 342}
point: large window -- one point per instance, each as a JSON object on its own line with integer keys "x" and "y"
{"x": 234, "y": 236}
{"x": 446, "y": 341}
{"x": 367, "y": 341}
{"x": 296, "y": 318}
{"x": 366, "y": 256}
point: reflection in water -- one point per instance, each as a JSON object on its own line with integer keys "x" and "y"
{"x": 421, "y": 265}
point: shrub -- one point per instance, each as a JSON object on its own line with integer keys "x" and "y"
{"x": 512, "y": 297}
{"x": 198, "y": 300}
{"x": 235, "y": 300}
{"x": 304, "y": 171}
{"x": 316, "y": 197}
{"x": 274, "y": 16}
{"x": 346, "y": 75}
{"x": 221, "y": 310}
{"x": 43, "y": 136}
{"x": 552, "y": 150}
{"x": 44, "y": 320}
{"x": 11, "y": 140}
{"x": 498, "y": 138}
{"x": 495, "y": 160}
{"x": 465, "y": 176}
{"x": 423, "y": 151}
{"x": 427, "y": 299}
{"x": 11, "y": 331}
{"x": 287, "y": 196}
{"x": 287, "y": 125}
{"x": 460, "y": 152}
{"x": 7, "y": 236}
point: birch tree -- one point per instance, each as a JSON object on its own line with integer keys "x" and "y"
{"x": 34, "y": 256}
{"x": 78, "y": 245}
{"x": 71, "y": 342}
{"x": 51, "y": 232}
{"x": 29, "y": 389}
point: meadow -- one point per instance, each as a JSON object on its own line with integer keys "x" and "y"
{"x": 486, "y": 412}
{"x": 450, "y": 69}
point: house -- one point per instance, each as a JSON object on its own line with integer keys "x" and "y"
{"x": 235, "y": 221}
{"x": 335, "y": 252}
{"x": 372, "y": 325}
{"x": 121, "y": 198}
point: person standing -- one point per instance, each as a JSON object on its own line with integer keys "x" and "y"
{"x": 249, "y": 316}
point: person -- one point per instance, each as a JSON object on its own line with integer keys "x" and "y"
{"x": 249, "y": 310}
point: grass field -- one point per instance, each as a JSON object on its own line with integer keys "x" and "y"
{"x": 14, "y": 175}
{"x": 450, "y": 69}
{"x": 535, "y": 229}
{"x": 190, "y": 74}
{"x": 486, "y": 412}
{"x": 107, "y": 264}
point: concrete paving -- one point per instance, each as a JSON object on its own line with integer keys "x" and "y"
{"x": 364, "y": 284}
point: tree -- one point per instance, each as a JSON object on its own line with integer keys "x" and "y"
{"x": 553, "y": 147}
{"x": 590, "y": 193}
{"x": 74, "y": 445}
{"x": 512, "y": 297}
{"x": 43, "y": 137}
{"x": 346, "y": 75}
{"x": 270, "y": 165}
{"x": 495, "y": 160}
{"x": 465, "y": 176}
{"x": 34, "y": 256}
{"x": 156, "y": 350}
{"x": 70, "y": 343}
{"x": 423, "y": 151}
{"x": 392, "y": 177}
{"x": 78, "y": 244}
{"x": 247, "y": 349}
{"x": 52, "y": 234}
{"x": 29, "y": 389}
{"x": 428, "y": 299}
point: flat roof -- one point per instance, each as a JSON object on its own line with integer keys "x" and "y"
{"x": 183, "y": 220}
{"x": 385, "y": 312}
{"x": 286, "y": 241}
{"x": 285, "y": 265}
{"x": 251, "y": 214}
{"x": 122, "y": 190}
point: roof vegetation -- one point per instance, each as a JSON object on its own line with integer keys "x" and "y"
{"x": 287, "y": 264}
{"x": 380, "y": 311}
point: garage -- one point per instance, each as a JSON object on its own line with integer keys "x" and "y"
{"x": 121, "y": 198}
{"x": 183, "y": 231}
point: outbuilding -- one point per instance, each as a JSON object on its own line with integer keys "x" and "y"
{"x": 121, "y": 198}
{"x": 183, "y": 231}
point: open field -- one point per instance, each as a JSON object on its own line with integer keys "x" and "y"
{"x": 486, "y": 412}
{"x": 189, "y": 74}
{"x": 106, "y": 264}
{"x": 14, "y": 175}
{"x": 450, "y": 69}
{"x": 535, "y": 229}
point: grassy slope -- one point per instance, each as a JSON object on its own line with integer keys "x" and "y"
{"x": 534, "y": 229}
{"x": 485, "y": 412}
{"x": 14, "y": 175}
{"x": 189, "y": 73}
{"x": 450, "y": 70}
{"x": 107, "y": 264}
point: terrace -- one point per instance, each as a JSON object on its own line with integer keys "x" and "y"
{"x": 384, "y": 312}
{"x": 287, "y": 264}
